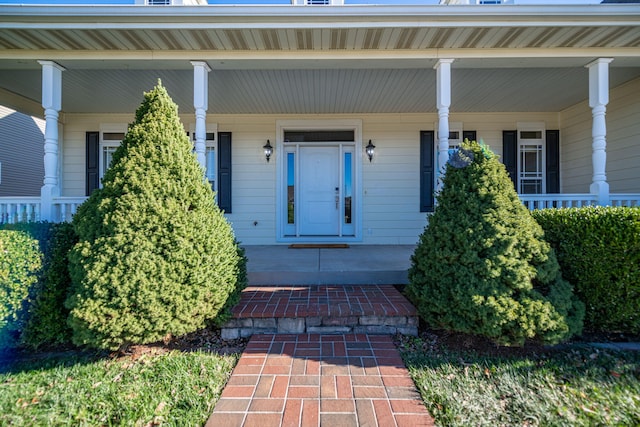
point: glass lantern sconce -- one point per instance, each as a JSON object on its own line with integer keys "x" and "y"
{"x": 268, "y": 150}
{"x": 371, "y": 149}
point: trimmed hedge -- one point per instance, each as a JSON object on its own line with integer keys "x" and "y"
{"x": 47, "y": 322}
{"x": 42, "y": 319}
{"x": 20, "y": 262}
{"x": 40, "y": 231}
{"x": 598, "y": 249}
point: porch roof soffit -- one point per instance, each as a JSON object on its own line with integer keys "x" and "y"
{"x": 321, "y": 91}
{"x": 348, "y": 59}
{"x": 340, "y": 32}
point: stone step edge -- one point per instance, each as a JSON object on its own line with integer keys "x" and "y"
{"x": 243, "y": 328}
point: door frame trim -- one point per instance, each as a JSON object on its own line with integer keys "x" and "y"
{"x": 311, "y": 125}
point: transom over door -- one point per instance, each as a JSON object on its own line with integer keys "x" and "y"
{"x": 319, "y": 182}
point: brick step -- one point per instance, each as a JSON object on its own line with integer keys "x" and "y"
{"x": 325, "y": 309}
{"x": 236, "y": 328}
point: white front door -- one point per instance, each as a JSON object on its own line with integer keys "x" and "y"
{"x": 319, "y": 181}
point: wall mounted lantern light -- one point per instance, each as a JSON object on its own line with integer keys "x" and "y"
{"x": 370, "y": 150}
{"x": 268, "y": 150}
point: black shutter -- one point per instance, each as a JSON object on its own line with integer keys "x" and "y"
{"x": 427, "y": 157}
{"x": 553, "y": 161}
{"x": 92, "y": 162}
{"x": 224, "y": 171}
{"x": 510, "y": 154}
{"x": 469, "y": 134}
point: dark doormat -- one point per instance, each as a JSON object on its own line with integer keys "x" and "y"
{"x": 318, "y": 246}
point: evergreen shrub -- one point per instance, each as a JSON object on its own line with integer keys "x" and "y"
{"x": 20, "y": 262}
{"x": 47, "y": 320}
{"x": 598, "y": 249}
{"x": 155, "y": 256}
{"x": 481, "y": 265}
{"x": 40, "y": 231}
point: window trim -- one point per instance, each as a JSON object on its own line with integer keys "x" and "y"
{"x": 522, "y": 142}
{"x": 107, "y": 128}
{"x": 358, "y": 166}
{"x": 211, "y": 129}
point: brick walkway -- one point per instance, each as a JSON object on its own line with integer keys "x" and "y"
{"x": 320, "y": 380}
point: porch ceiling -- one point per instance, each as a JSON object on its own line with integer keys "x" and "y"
{"x": 322, "y": 91}
{"x": 349, "y": 59}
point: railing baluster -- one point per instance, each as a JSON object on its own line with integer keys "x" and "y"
{"x": 546, "y": 201}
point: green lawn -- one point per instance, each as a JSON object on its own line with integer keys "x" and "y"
{"x": 175, "y": 388}
{"x": 578, "y": 387}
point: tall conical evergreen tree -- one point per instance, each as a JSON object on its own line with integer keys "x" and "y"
{"x": 155, "y": 257}
{"x": 481, "y": 265}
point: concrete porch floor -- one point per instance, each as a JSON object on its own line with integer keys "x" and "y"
{"x": 354, "y": 265}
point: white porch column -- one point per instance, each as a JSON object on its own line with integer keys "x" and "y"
{"x": 598, "y": 100}
{"x": 201, "y": 104}
{"x": 443, "y": 102}
{"x": 52, "y": 103}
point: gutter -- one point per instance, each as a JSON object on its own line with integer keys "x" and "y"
{"x": 291, "y": 17}
{"x": 358, "y": 11}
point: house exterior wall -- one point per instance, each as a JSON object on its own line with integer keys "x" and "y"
{"x": 390, "y": 183}
{"x": 623, "y": 135}
{"x": 623, "y": 142}
{"x": 21, "y": 153}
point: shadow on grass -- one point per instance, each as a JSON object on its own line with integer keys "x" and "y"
{"x": 207, "y": 340}
{"x": 569, "y": 385}
{"x": 13, "y": 361}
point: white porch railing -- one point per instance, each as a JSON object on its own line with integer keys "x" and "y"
{"x": 19, "y": 209}
{"x": 65, "y": 207}
{"x": 544, "y": 201}
{"x": 624, "y": 200}
{"x": 27, "y": 209}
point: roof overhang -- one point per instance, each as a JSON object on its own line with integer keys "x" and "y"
{"x": 272, "y": 43}
{"x": 334, "y": 32}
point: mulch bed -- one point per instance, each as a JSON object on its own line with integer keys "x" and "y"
{"x": 428, "y": 341}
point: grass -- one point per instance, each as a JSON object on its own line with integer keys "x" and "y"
{"x": 174, "y": 388}
{"x": 577, "y": 387}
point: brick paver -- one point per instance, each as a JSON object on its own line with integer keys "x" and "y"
{"x": 320, "y": 380}
{"x": 322, "y": 300}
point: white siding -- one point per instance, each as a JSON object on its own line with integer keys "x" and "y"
{"x": 390, "y": 184}
{"x": 74, "y": 146}
{"x": 21, "y": 153}
{"x": 623, "y": 139}
{"x": 623, "y": 143}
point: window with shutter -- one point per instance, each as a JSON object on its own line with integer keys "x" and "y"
{"x": 92, "y": 162}
{"x": 427, "y": 171}
{"x": 532, "y": 158}
{"x": 224, "y": 171}
{"x": 553, "y": 161}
